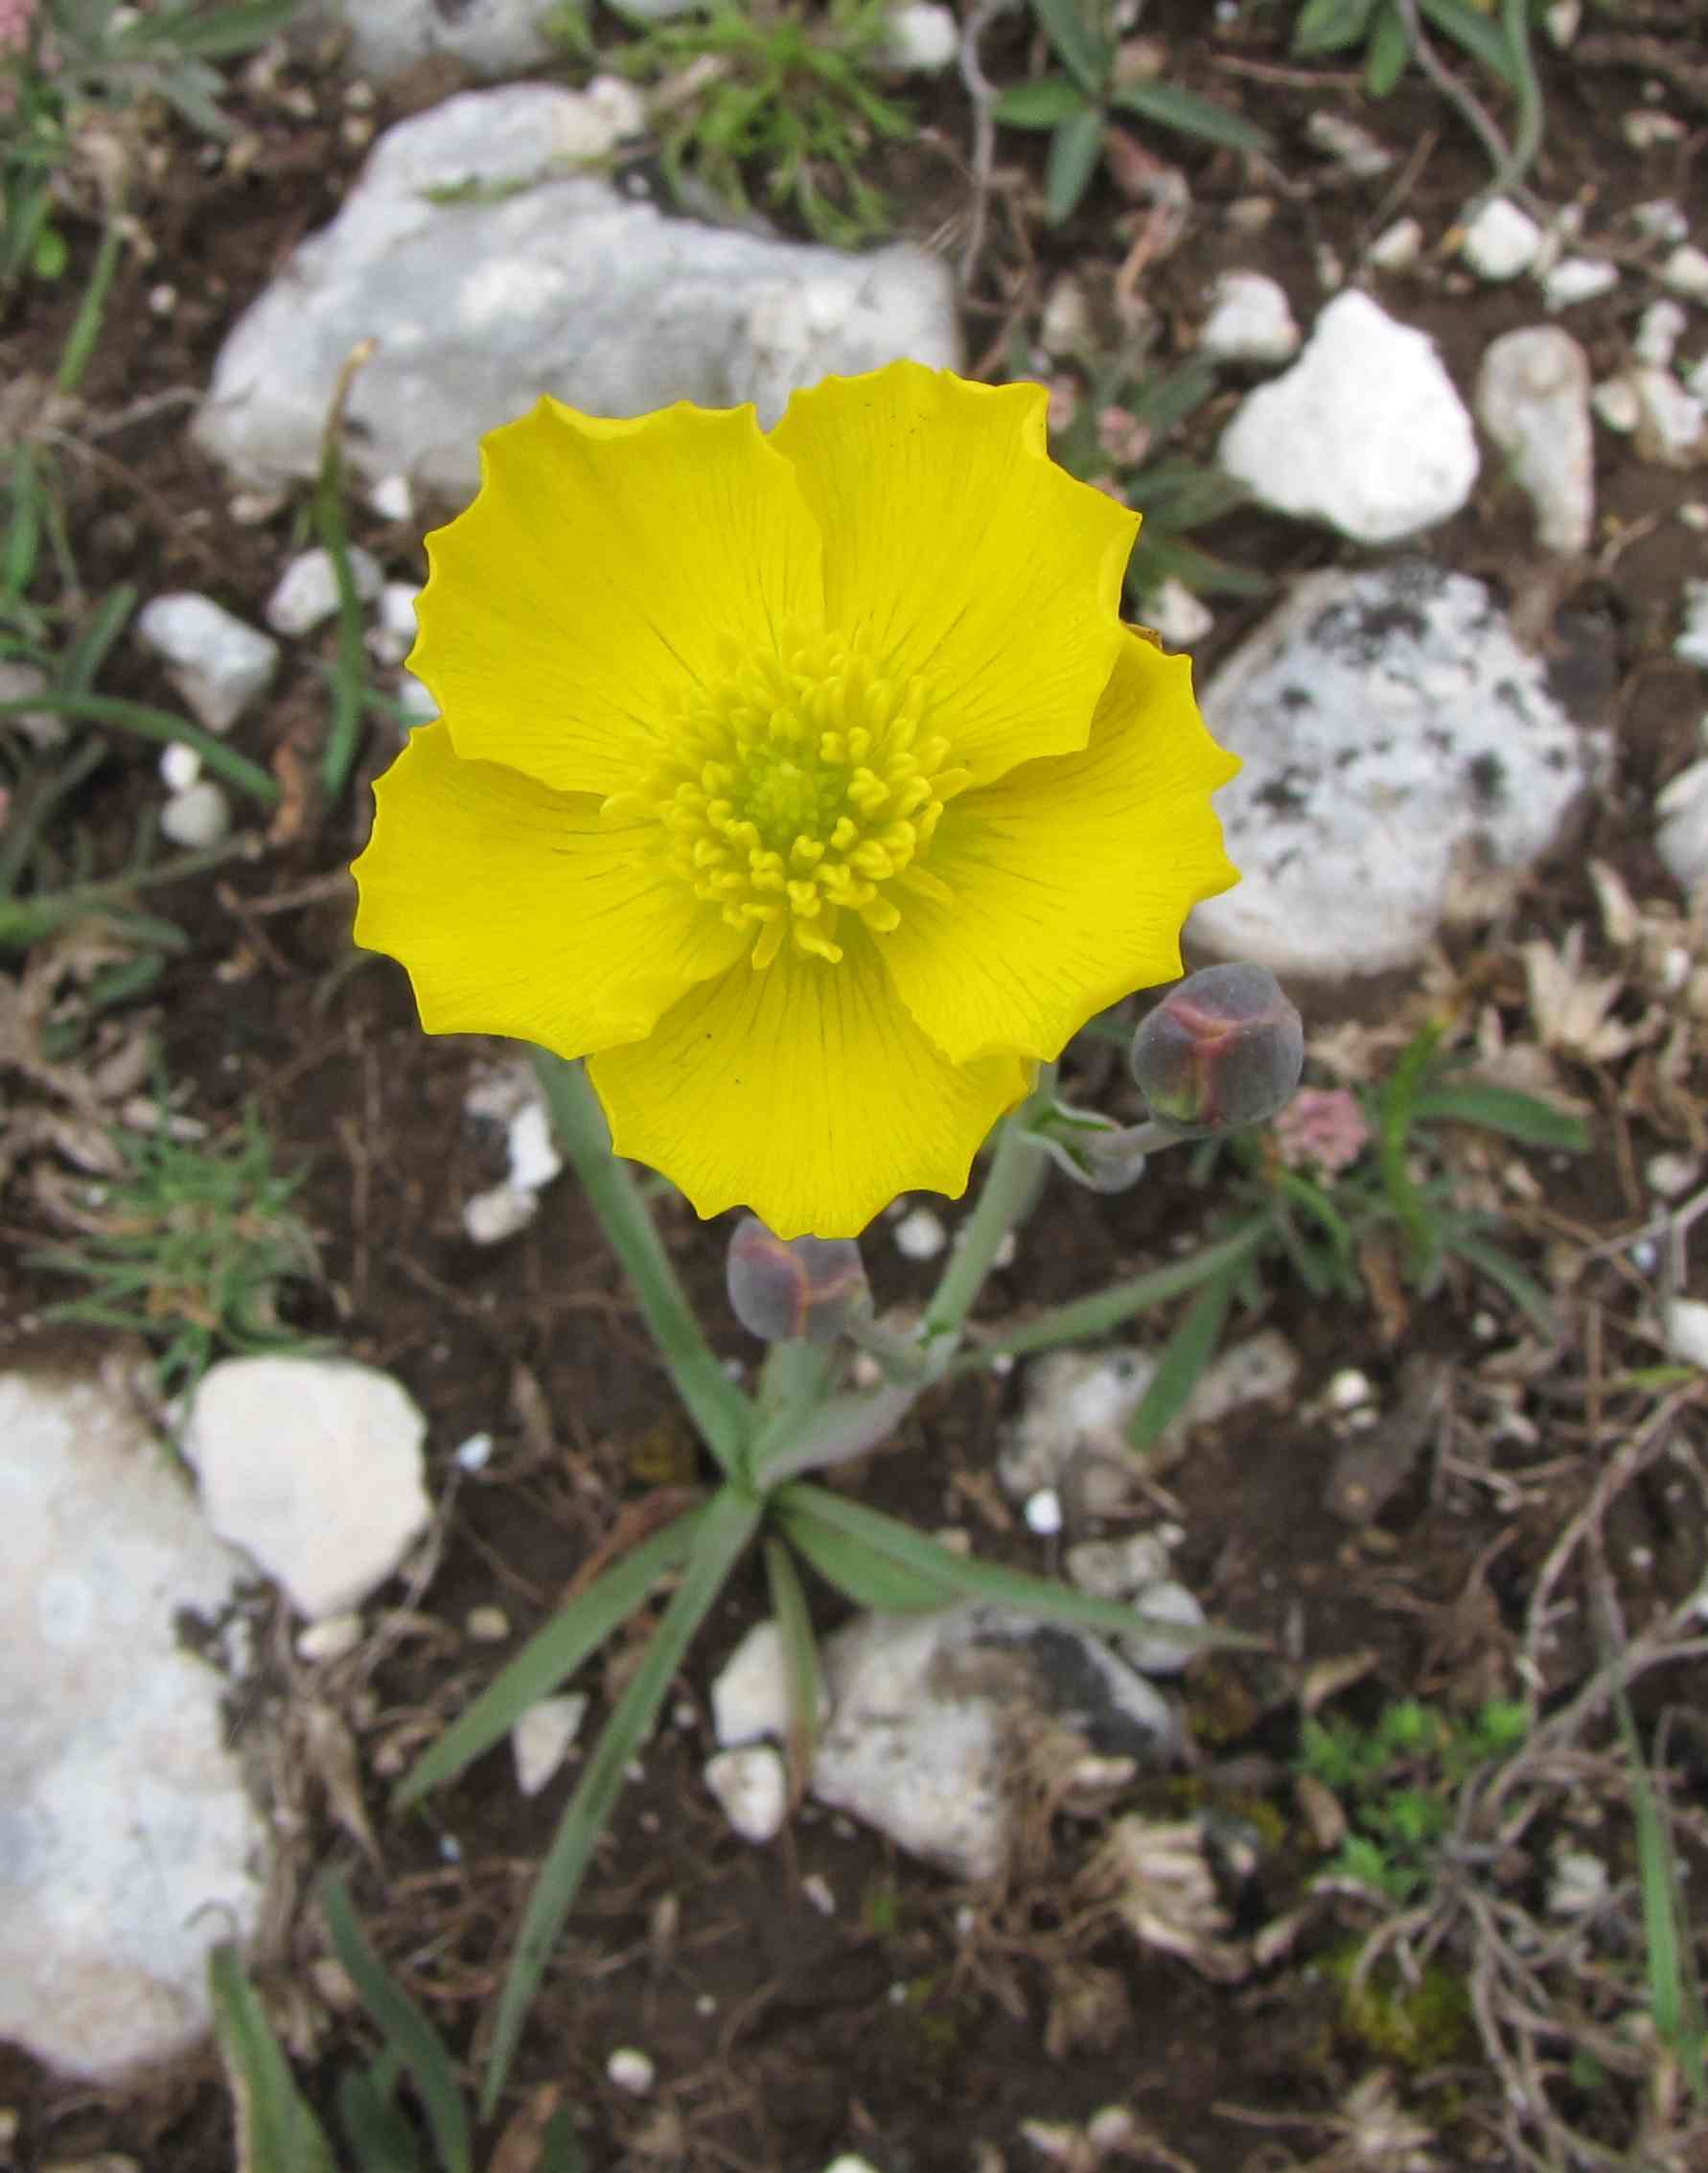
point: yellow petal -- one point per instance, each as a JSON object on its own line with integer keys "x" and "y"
{"x": 804, "y": 1092}
{"x": 956, "y": 548}
{"x": 515, "y": 912}
{"x": 604, "y": 568}
{"x": 1068, "y": 880}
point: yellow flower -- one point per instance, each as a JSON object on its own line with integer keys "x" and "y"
{"x": 806, "y": 782}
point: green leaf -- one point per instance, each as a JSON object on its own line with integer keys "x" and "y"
{"x": 1480, "y": 37}
{"x": 1155, "y": 558}
{"x": 1500, "y": 1267}
{"x": 1078, "y": 32}
{"x": 730, "y": 1521}
{"x": 1075, "y": 149}
{"x": 868, "y": 1579}
{"x": 276, "y": 2132}
{"x": 1039, "y": 106}
{"x": 1386, "y": 55}
{"x": 381, "y": 2139}
{"x": 1519, "y": 1116}
{"x": 551, "y": 1655}
{"x": 50, "y": 255}
{"x": 413, "y": 2040}
{"x": 1190, "y": 115}
{"x": 1185, "y": 1357}
{"x": 800, "y": 1660}
{"x": 1330, "y": 25}
{"x": 974, "y": 1580}
{"x": 1110, "y": 1308}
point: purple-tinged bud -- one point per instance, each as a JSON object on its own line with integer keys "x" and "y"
{"x": 1223, "y": 1049}
{"x": 810, "y": 1286}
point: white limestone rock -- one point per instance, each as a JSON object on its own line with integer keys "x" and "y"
{"x": 1577, "y": 279}
{"x": 1686, "y": 272}
{"x": 1672, "y": 423}
{"x": 307, "y": 593}
{"x": 218, "y": 662}
{"x": 1250, "y": 320}
{"x": 313, "y": 1467}
{"x": 1175, "y": 616}
{"x": 1154, "y": 1651}
{"x": 1682, "y": 837}
{"x": 1532, "y": 399}
{"x": 1365, "y": 431}
{"x": 750, "y": 1695}
{"x": 921, "y": 39}
{"x": 540, "y": 1740}
{"x": 490, "y": 37}
{"x": 1500, "y": 241}
{"x": 490, "y": 270}
{"x": 929, "y": 1711}
{"x": 1397, "y": 247}
{"x": 1389, "y": 723}
{"x": 198, "y": 816}
{"x": 129, "y": 1844}
{"x": 750, "y": 1784}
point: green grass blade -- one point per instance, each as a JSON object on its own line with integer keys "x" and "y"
{"x": 1674, "y": 1989}
{"x": 159, "y": 725}
{"x": 1039, "y": 106}
{"x": 1167, "y": 107}
{"x": 1107, "y": 1309}
{"x": 413, "y": 2040}
{"x": 974, "y": 1580}
{"x": 869, "y": 1580}
{"x": 1502, "y": 1269}
{"x": 381, "y": 2139}
{"x": 731, "y": 1520}
{"x": 276, "y": 2132}
{"x": 720, "y": 1411}
{"x": 800, "y": 1660}
{"x": 1330, "y": 26}
{"x": 1185, "y": 1357}
{"x": 1077, "y": 29}
{"x": 551, "y": 1656}
{"x": 350, "y": 671}
{"x": 1481, "y": 38}
{"x": 1515, "y": 1116}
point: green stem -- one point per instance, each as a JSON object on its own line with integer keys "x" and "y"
{"x": 29, "y": 920}
{"x": 1011, "y": 1188}
{"x": 157, "y": 724}
{"x": 718, "y": 1408}
{"x": 85, "y": 327}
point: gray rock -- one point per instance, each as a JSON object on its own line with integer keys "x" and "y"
{"x": 490, "y": 271}
{"x": 198, "y": 816}
{"x": 218, "y": 662}
{"x": 1250, "y": 320}
{"x": 750, "y": 1695}
{"x": 1532, "y": 399}
{"x": 1500, "y": 241}
{"x": 1682, "y": 837}
{"x": 129, "y": 1844}
{"x": 313, "y": 1467}
{"x": 1363, "y": 432}
{"x": 1389, "y": 723}
{"x": 490, "y": 37}
{"x": 931, "y": 1710}
{"x": 306, "y": 592}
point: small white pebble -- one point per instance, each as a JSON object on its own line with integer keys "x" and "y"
{"x": 1693, "y": 514}
{"x": 1562, "y": 20}
{"x": 475, "y": 1454}
{"x": 1686, "y": 272}
{"x": 1672, "y": 1175}
{"x": 180, "y": 767}
{"x": 450, "y": 1848}
{"x": 491, "y": 1216}
{"x": 1659, "y": 330}
{"x": 815, "y": 1888}
{"x": 1579, "y": 279}
{"x": 921, "y": 39}
{"x": 307, "y": 593}
{"x": 1006, "y": 1253}
{"x": 163, "y": 300}
{"x": 249, "y": 509}
{"x": 752, "y": 1786}
{"x": 416, "y": 700}
{"x": 540, "y": 1740}
{"x": 1687, "y": 1330}
{"x": 196, "y": 818}
{"x": 1500, "y": 241}
{"x": 849, "y": 2161}
{"x": 1645, "y": 130}
{"x": 1617, "y": 403}
{"x": 1166, "y": 1602}
{"x": 534, "y": 1158}
{"x": 631, "y": 2070}
{"x": 392, "y": 497}
{"x": 330, "y": 1638}
{"x": 1660, "y": 221}
{"x": 1349, "y": 1389}
{"x": 487, "y": 1625}
{"x": 1043, "y": 1512}
{"x": 1397, "y": 247}
{"x": 919, "y": 1235}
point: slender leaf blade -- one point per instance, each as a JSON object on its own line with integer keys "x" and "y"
{"x": 1185, "y": 1357}
{"x": 276, "y": 2132}
{"x": 1076, "y": 29}
{"x": 868, "y": 1579}
{"x": 1039, "y": 106}
{"x": 1075, "y": 149}
{"x": 1167, "y": 107}
{"x": 1516, "y": 1115}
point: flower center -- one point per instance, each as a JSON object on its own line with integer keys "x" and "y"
{"x": 802, "y": 788}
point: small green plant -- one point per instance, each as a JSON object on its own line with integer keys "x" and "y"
{"x": 1079, "y": 105}
{"x": 1393, "y": 35}
{"x": 742, "y": 92}
{"x": 190, "y": 1247}
{"x": 277, "y": 2131}
{"x": 1124, "y": 428}
{"x": 1396, "y": 1782}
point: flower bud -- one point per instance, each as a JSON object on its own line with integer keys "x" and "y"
{"x": 810, "y": 1286}
{"x": 1223, "y": 1049}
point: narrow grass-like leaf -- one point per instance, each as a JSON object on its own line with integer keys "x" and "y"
{"x": 1386, "y": 55}
{"x": 95, "y": 637}
{"x": 411, "y": 2039}
{"x": 1039, "y": 106}
{"x": 1675, "y": 1987}
{"x": 1167, "y": 107}
{"x": 560, "y": 2146}
{"x": 1330, "y": 25}
{"x": 730, "y": 1521}
{"x": 1501, "y": 1268}
{"x": 551, "y": 1655}
{"x": 276, "y": 2132}
{"x": 1185, "y": 1357}
{"x": 379, "y": 2137}
{"x": 800, "y": 1661}
{"x": 1516, "y": 1115}
{"x": 1482, "y": 39}
{"x": 974, "y": 1580}
{"x": 1156, "y": 558}
{"x": 1075, "y": 149}
{"x": 1076, "y": 29}
{"x": 158, "y": 725}
{"x": 1107, "y": 1309}
{"x": 350, "y": 672}
{"x": 869, "y": 1578}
